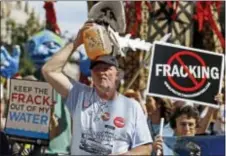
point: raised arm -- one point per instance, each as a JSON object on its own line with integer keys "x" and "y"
{"x": 53, "y": 69}
{"x": 205, "y": 120}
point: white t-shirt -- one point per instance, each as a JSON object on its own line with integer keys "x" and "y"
{"x": 102, "y": 128}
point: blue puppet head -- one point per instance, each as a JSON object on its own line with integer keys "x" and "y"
{"x": 42, "y": 46}
{"x": 84, "y": 63}
{"x": 81, "y": 58}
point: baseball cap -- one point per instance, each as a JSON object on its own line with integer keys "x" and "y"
{"x": 108, "y": 59}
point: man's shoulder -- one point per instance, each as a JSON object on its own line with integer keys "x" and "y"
{"x": 129, "y": 101}
{"x": 81, "y": 86}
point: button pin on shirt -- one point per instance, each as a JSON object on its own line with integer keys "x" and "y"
{"x": 119, "y": 122}
{"x": 105, "y": 116}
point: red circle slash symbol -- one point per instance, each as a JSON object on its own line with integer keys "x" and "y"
{"x": 197, "y": 84}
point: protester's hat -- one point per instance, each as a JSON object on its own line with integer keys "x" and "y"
{"x": 117, "y": 9}
{"x": 108, "y": 59}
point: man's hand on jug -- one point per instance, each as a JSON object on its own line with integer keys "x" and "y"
{"x": 79, "y": 39}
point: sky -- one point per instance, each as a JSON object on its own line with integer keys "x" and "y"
{"x": 71, "y": 15}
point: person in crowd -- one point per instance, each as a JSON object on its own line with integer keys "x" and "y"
{"x": 158, "y": 108}
{"x": 206, "y": 114}
{"x": 186, "y": 121}
{"x": 99, "y": 110}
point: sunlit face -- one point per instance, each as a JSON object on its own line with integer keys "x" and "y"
{"x": 104, "y": 77}
{"x": 185, "y": 126}
{"x": 151, "y": 105}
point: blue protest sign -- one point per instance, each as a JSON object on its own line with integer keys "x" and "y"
{"x": 195, "y": 146}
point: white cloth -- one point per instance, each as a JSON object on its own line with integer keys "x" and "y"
{"x": 102, "y": 128}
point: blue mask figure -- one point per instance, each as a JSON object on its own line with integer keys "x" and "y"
{"x": 9, "y": 63}
{"x": 84, "y": 63}
{"x": 81, "y": 59}
{"x": 42, "y": 46}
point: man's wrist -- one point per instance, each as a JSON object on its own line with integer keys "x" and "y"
{"x": 75, "y": 46}
{"x": 77, "y": 42}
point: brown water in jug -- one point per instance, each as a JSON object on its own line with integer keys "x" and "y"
{"x": 97, "y": 42}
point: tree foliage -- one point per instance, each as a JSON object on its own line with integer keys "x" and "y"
{"x": 19, "y": 35}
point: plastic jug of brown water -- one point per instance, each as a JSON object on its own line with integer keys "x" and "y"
{"x": 97, "y": 42}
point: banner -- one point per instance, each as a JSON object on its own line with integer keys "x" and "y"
{"x": 194, "y": 146}
{"x": 183, "y": 73}
{"x": 29, "y": 111}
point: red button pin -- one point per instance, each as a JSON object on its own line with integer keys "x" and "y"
{"x": 119, "y": 122}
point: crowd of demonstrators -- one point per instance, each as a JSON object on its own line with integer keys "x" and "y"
{"x": 181, "y": 119}
{"x": 90, "y": 115}
{"x": 186, "y": 120}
